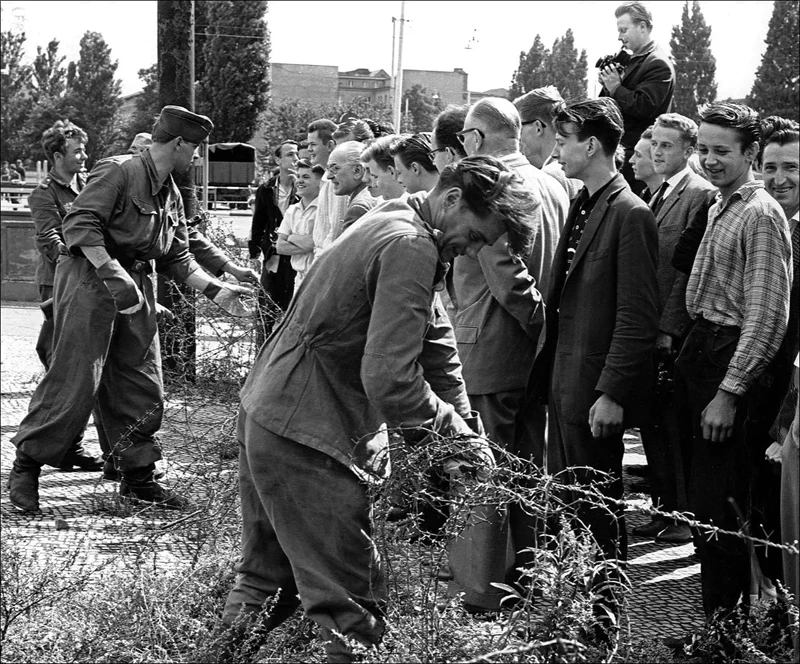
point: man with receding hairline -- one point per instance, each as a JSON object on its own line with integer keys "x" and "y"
{"x": 346, "y": 176}
{"x": 498, "y": 323}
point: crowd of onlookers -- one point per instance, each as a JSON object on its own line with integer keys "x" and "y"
{"x": 541, "y": 274}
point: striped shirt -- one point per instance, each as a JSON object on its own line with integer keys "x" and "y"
{"x": 741, "y": 277}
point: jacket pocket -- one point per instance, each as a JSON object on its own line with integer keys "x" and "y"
{"x": 466, "y": 335}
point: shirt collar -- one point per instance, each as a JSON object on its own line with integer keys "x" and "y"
{"x": 152, "y": 173}
{"x": 675, "y": 179}
{"x": 649, "y": 47}
{"x": 745, "y": 192}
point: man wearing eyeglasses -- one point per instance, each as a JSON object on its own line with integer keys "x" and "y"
{"x": 497, "y": 325}
{"x": 537, "y": 110}
{"x": 129, "y": 215}
{"x": 346, "y": 175}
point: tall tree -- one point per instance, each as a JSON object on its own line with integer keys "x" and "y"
{"x": 234, "y": 87}
{"x": 95, "y": 93}
{"x": 48, "y": 71}
{"x": 422, "y": 109}
{"x": 147, "y": 104}
{"x": 777, "y": 84}
{"x": 530, "y": 74}
{"x": 565, "y": 69}
{"x": 695, "y": 65}
{"x": 14, "y": 99}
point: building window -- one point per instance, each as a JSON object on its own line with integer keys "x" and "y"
{"x": 350, "y": 84}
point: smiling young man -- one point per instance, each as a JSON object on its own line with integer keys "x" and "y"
{"x": 366, "y": 344}
{"x": 681, "y": 196}
{"x": 295, "y": 234}
{"x": 602, "y": 310}
{"x": 738, "y": 297}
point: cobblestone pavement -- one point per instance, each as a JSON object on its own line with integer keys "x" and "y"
{"x": 83, "y": 518}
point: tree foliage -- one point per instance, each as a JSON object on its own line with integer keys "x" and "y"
{"x": 777, "y": 84}
{"x": 15, "y": 101}
{"x": 561, "y": 67}
{"x": 695, "y": 65}
{"x": 422, "y": 109}
{"x": 147, "y": 104}
{"x": 233, "y": 90}
{"x": 49, "y": 74}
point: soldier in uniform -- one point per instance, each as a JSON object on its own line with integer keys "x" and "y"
{"x": 106, "y": 344}
{"x": 64, "y": 146}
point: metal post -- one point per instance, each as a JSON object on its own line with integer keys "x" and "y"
{"x": 398, "y": 84}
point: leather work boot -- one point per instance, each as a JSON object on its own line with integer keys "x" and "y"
{"x": 140, "y": 485}
{"x": 23, "y": 483}
{"x": 77, "y": 458}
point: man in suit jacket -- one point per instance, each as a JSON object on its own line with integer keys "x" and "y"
{"x": 682, "y": 194}
{"x": 644, "y": 88}
{"x": 499, "y": 316}
{"x": 602, "y": 320}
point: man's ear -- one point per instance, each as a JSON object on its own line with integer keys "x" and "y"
{"x": 331, "y": 145}
{"x": 452, "y": 197}
{"x": 751, "y": 151}
{"x": 415, "y": 167}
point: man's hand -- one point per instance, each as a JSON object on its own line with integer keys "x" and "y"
{"x": 718, "y": 417}
{"x": 255, "y": 265}
{"x": 610, "y": 78}
{"x": 228, "y": 299}
{"x": 163, "y": 315}
{"x": 242, "y": 274}
{"x": 773, "y": 453}
{"x": 128, "y": 299}
{"x": 664, "y": 344}
{"x": 475, "y": 460}
{"x": 605, "y": 417}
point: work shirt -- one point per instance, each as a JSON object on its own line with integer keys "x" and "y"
{"x": 365, "y": 341}
{"x": 125, "y": 209}
{"x": 49, "y": 204}
{"x": 299, "y": 220}
{"x": 741, "y": 277}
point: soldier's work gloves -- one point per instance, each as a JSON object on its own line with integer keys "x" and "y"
{"x": 128, "y": 299}
{"x": 227, "y": 297}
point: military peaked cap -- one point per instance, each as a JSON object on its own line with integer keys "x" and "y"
{"x": 178, "y": 121}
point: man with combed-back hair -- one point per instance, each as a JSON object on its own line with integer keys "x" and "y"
{"x": 537, "y": 111}
{"x": 602, "y": 319}
{"x": 498, "y": 321}
{"x": 346, "y": 175}
{"x": 365, "y": 345}
{"x": 738, "y": 297}
{"x": 412, "y": 161}
{"x": 378, "y": 161}
{"x": 644, "y": 88}
{"x": 446, "y": 149}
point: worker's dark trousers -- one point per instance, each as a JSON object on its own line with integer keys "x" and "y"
{"x": 718, "y": 471}
{"x": 44, "y": 349}
{"x": 97, "y": 354}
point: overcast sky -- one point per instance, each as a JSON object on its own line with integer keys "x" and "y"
{"x": 359, "y": 34}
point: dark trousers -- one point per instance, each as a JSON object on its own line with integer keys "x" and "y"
{"x": 278, "y": 287}
{"x": 572, "y": 445}
{"x": 306, "y": 531}
{"x": 662, "y": 439}
{"x": 44, "y": 349}
{"x": 102, "y": 356}
{"x": 718, "y": 471}
{"x": 495, "y": 542}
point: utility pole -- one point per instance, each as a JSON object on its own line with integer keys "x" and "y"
{"x": 398, "y": 80}
{"x": 471, "y": 44}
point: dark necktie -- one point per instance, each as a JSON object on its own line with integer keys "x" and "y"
{"x": 658, "y": 199}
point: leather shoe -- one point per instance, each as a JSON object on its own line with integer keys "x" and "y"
{"x": 80, "y": 459}
{"x": 23, "y": 487}
{"x": 676, "y": 533}
{"x": 651, "y": 529}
